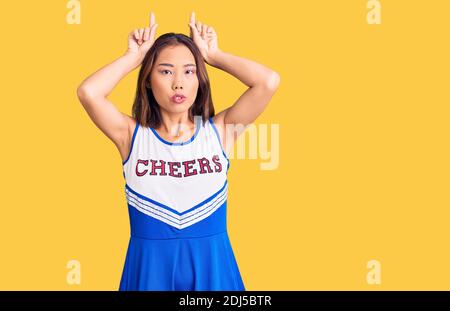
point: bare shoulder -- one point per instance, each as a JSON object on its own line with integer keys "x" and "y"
{"x": 125, "y": 145}
{"x": 226, "y": 136}
{"x": 131, "y": 123}
{"x": 219, "y": 119}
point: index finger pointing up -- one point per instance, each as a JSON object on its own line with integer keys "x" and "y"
{"x": 192, "y": 21}
{"x": 152, "y": 19}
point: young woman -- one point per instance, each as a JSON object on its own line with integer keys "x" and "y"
{"x": 174, "y": 151}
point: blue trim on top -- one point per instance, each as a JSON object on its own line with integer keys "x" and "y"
{"x": 171, "y": 209}
{"x": 132, "y": 143}
{"x": 197, "y": 125}
{"x": 220, "y": 142}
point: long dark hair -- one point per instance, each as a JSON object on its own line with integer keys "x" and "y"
{"x": 145, "y": 107}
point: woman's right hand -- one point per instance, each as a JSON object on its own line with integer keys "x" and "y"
{"x": 140, "y": 40}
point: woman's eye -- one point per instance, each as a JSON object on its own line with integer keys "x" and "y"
{"x": 164, "y": 71}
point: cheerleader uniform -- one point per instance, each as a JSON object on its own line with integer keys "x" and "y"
{"x": 176, "y": 194}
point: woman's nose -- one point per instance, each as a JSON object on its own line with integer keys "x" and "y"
{"x": 178, "y": 86}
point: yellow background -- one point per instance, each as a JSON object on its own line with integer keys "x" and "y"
{"x": 364, "y": 132}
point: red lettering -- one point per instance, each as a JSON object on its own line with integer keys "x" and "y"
{"x": 204, "y": 166}
{"x": 187, "y": 167}
{"x": 173, "y": 170}
{"x": 216, "y": 161}
{"x": 145, "y": 162}
{"x": 162, "y": 167}
{"x": 204, "y": 162}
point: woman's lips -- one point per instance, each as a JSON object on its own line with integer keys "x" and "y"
{"x": 178, "y": 99}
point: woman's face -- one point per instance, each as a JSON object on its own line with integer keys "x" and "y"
{"x": 174, "y": 71}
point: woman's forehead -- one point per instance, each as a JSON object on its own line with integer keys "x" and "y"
{"x": 177, "y": 55}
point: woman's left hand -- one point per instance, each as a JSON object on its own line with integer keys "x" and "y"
{"x": 204, "y": 37}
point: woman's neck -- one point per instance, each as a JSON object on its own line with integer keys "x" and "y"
{"x": 176, "y": 126}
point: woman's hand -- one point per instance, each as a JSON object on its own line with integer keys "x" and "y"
{"x": 141, "y": 40}
{"x": 204, "y": 37}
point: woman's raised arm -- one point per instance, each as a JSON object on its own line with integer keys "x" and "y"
{"x": 93, "y": 91}
{"x": 261, "y": 80}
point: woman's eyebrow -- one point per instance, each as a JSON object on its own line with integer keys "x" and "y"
{"x": 171, "y": 65}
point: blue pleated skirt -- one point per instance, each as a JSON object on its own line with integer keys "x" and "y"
{"x": 204, "y": 263}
